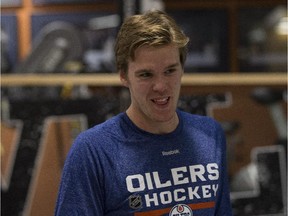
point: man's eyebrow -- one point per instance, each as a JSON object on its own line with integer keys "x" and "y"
{"x": 173, "y": 65}
{"x": 143, "y": 71}
{"x": 147, "y": 70}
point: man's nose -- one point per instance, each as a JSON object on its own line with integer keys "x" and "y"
{"x": 160, "y": 84}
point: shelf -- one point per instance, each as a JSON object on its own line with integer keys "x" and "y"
{"x": 102, "y": 79}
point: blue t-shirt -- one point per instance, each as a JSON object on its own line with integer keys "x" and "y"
{"x": 116, "y": 169}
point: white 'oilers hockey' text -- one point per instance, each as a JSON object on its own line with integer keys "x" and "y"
{"x": 179, "y": 176}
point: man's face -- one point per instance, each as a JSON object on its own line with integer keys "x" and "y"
{"x": 154, "y": 81}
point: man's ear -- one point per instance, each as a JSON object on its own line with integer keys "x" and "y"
{"x": 123, "y": 78}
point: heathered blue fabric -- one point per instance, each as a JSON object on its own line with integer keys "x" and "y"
{"x": 115, "y": 168}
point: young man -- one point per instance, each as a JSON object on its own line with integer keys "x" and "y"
{"x": 153, "y": 159}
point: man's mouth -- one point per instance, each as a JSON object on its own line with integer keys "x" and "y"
{"x": 161, "y": 101}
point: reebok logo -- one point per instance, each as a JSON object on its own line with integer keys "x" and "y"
{"x": 172, "y": 152}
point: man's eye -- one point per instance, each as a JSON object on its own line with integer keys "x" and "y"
{"x": 170, "y": 71}
{"x": 145, "y": 75}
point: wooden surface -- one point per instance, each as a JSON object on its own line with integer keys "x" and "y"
{"x": 216, "y": 79}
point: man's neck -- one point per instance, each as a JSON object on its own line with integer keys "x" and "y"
{"x": 154, "y": 127}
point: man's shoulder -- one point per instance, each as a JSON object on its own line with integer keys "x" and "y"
{"x": 109, "y": 126}
{"x": 197, "y": 118}
{"x": 100, "y": 136}
{"x": 204, "y": 123}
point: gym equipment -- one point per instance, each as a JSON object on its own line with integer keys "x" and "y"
{"x": 57, "y": 43}
{"x": 202, "y": 104}
{"x": 265, "y": 178}
{"x": 32, "y": 113}
{"x": 269, "y": 194}
{"x": 272, "y": 98}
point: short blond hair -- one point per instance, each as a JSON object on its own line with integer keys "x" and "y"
{"x": 154, "y": 28}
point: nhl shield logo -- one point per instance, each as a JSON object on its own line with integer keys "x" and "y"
{"x": 135, "y": 201}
